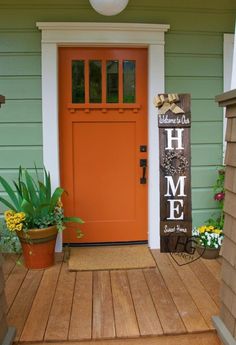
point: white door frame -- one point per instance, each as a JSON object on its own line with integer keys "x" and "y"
{"x": 151, "y": 36}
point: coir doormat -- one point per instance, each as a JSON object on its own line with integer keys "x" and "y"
{"x": 110, "y": 258}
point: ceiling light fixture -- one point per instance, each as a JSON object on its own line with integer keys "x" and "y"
{"x": 109, "y": 7}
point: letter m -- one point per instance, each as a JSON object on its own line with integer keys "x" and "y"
{"x": 172, "y": 188}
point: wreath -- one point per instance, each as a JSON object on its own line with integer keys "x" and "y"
{"x": 179, "y": 167}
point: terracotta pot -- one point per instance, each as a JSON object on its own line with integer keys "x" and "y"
{"x": 38, "y": 246}
{"x": 208, "y": 253}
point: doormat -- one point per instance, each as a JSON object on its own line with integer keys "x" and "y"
{"x": 110, "y": 258}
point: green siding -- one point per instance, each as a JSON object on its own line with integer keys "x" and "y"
{"x": 18, "y": 41}
{"x": 205, "y": 194}
{"x": 12, "y": 174}
{"x": 26, "y": 87}
{"x": 207, "y": 155}
{"x": 184, "y": 65}
{"x": 16, "y": 134}
{"x": 194, "y": 43}
{"x": 202, "y": 133}
{"x": 12, "y": 157}
{"x": 29, "y": 110}
{"x": 193, "y": 61}
{"x": 19, "y": 64}
{"x": 206, "y": 110}
{"x": 203, "y": 176}
{"x": 200, "y": 216}
{"x": 199, "y": 87}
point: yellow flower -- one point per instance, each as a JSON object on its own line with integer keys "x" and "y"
{"x": 21, "y": 215}
{"x": 10, "y": 226}
{"x": 211, "y": 227}
{"x": 19, "y": 227}
{"x": 59, "y": 203}
{"x": 218, "y": 231}
{"x": 14, "y": 221}
{"x": 8, "y": 214}
{"x": 16, "y": 218}
{"x": 202, "y": 229}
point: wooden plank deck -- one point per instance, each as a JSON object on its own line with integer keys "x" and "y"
{"x": 171, "y": 303}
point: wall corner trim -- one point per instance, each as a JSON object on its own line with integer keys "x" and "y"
{"x": 9, "y": 338}
{"x": 223, "y": 332}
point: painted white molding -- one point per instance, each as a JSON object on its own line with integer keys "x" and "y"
{"x": 228, "y": 60}
{"x": 233, "y": 78}
{"x": 156, "y": 82}
{"x": 50, "y": 111}
{"x": 151, "y": 36}
{"x": 102, "y": 33}
{"x": 228, "y": 65}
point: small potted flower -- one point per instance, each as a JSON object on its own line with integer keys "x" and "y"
{"x": 209, "y": 239}
{"x": 35, "y": 213}
{"x": 210, "y": 235}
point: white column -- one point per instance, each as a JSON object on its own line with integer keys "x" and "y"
{"x": 228, "y": 63}
{"x": 50, "y": 116}
{"x": 156, "y": 85}
{"x": 233, "y": 79}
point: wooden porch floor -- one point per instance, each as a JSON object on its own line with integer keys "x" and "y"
{"x": 56, "y": 305}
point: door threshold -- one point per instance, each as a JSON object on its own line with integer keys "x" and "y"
{"x": 97, "y": 244}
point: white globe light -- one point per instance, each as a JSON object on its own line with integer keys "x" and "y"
{"x": 109, "y": 7}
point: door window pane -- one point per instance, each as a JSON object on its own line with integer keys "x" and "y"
{"x": 112, "y": 81}
{"x": 78, "y": 95}
{"x": 95, "y": 81}
{"x": 129, "y": 87}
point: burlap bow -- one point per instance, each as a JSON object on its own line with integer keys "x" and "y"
{"x": 167, "y": 103}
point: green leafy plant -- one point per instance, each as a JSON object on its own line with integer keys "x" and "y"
{"x": 210, "y": 235}
{"x": 33, "y": 204}
{"x": 219, "y": 195}
{"x": 9, "y": 242}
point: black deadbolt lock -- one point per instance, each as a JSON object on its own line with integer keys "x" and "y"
{"x": 143, "y": 148}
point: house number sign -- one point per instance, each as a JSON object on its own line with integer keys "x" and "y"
{"x": 174, "y": 122}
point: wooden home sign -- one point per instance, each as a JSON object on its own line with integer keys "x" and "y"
{"x": 174, "y": 121}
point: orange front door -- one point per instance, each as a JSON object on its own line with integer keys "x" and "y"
{"x": 103, "y": 138}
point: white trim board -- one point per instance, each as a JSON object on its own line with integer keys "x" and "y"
{"x": 233, "y": 77}
{"x": 151, "y": 36}
{"x": 228, "y": 66}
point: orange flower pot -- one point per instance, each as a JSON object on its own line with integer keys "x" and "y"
{"x": 38, "y": 246}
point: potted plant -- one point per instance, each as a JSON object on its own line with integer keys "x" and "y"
{"x": 209, "y": 241}
{"x": 210, "y": 235}
{"x": 36, "y": 215}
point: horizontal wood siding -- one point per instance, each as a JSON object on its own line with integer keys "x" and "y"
{"x": 193, "y": 61}
{"x": 18, "y": 134}
{"x": 19, "y": 64}
{"x": 14, "y": 156}
{"x": 21, "y": 110}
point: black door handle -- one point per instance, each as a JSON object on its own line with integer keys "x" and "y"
{"x": 143, "y": 164}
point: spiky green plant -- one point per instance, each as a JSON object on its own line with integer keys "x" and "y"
{"x": 36, "y": 200}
